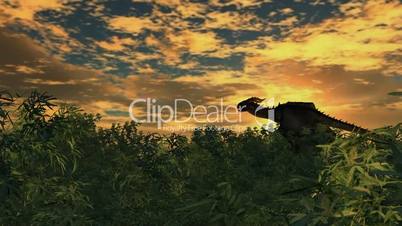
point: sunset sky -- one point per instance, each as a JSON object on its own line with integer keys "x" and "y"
{"x": 345, "y": 56}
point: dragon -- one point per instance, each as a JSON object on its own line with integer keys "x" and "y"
{"x": 294, "y": 116}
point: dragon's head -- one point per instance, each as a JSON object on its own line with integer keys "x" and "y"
{"x": 249, "y": 104}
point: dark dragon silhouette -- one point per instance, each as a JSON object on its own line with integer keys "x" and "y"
{"x": 294, "y": 116}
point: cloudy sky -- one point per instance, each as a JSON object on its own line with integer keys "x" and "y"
{"x": 345, "y": 56}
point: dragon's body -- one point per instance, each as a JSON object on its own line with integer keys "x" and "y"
{"x": 294, "y": 116}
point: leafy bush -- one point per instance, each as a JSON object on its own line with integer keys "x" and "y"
{"x": 58, "y": 168}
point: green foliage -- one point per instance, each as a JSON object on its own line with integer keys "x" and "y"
{"x": 6, "y": 100}
{"x": 358, "y": 183}
{"x": 58, "y": 168}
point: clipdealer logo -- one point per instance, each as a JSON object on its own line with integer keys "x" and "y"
{"x": 160, "y": 114}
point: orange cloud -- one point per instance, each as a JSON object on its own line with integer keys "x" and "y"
{"x": 185, "y": 9}
{"x": 130, "y": 24}
{"x": 22, "y": 13}
{"x": 25, "y": 10}
{"x": 240, "y": 3}
{"x": 174, "y": 44}
{"x": 233, "y": 20}
{"x": 357, "y": 42}
{"x": 58, "y": 31}
{"x": 287, "y": 10}
{"x": 116, "y": 43}
{"x": 27, "y": 70}
{"x": 195, "y": 42}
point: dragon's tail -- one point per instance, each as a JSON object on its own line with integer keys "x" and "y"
{"x": 337, "y": 123}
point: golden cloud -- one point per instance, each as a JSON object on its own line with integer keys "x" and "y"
{"x": 174, "y": 44}
{"x": 25, "y": 10}
{"x": 195, "y": 42}
{"x": 22, "y": 13}
{"x": 116, "y": 43}
{"x": 28, "y": 70}
{"x": 240, "y": 3}
{"x": 356, "y": 42}
{"x": 185, "y": 9}
{"x": 130, "y": 24}
{"x": 58, "y": 31}
{"x": 233, "y": 20}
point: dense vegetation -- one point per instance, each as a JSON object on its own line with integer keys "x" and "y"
{"x": 60, "y": 169}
